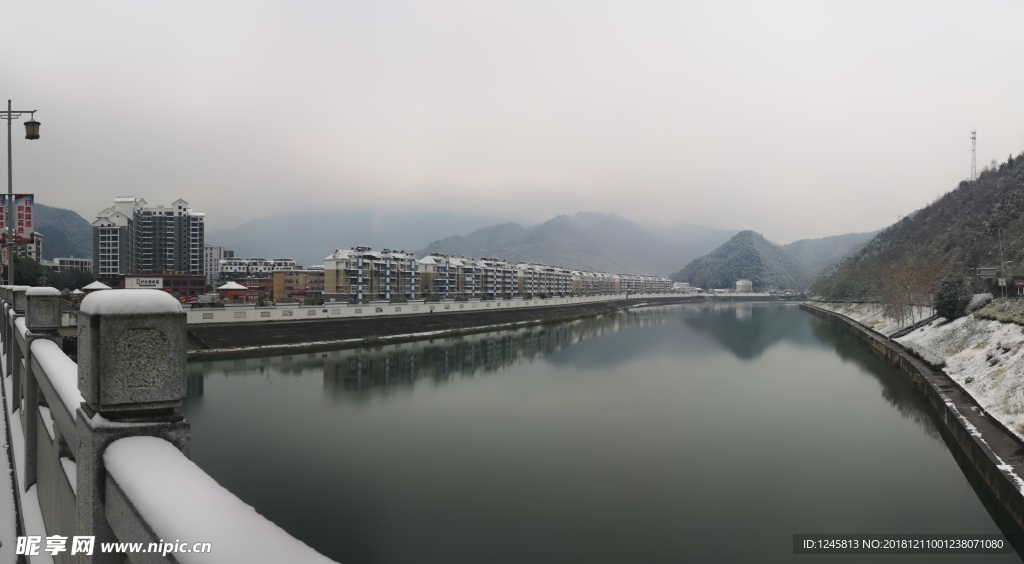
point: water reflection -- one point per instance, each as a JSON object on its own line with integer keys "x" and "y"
{"x": 650, "y": 435}
{"x": 753, "y": 328}
{"x": 911, "y": 405}
{"x": 895, "y": 390}
{"x": 357, "y": 374}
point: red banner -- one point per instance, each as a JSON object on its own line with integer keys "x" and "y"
{"x": 24, "y": 218}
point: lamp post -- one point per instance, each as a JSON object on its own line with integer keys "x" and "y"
{"x": 31, "y": 132}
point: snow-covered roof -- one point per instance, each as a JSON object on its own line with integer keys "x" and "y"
{"x": 77, "y": 292}
{"x": 339, "y": 254}
{"x": 97, "y": 285}
{"x": 232, "y": 286}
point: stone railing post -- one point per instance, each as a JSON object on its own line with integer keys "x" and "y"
{"x": 131, "y": 373}
{"x": 42, "y": 320}
{"x": 14, "y": 356}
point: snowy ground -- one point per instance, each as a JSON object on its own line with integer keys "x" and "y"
{"x": 871, "y": 316}
{"x": 982, "y": 355}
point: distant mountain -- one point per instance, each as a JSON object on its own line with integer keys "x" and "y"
{"x": 65, "y": 233}
{"x": 590, "y": 241}
{"x": 747, "y": 255}
{"x": 791, "y": 267}
{"x": 817, "y": 256}
{"x": 309, "y": 236}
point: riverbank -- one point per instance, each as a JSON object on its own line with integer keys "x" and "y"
{"x": 277, "y": 337}
{"x": 994, "y": 450}
{"x": 982, "y": 355}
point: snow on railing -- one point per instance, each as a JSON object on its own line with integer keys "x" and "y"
{"x": 111, "y": 460}
{"x": 180, "y": 501}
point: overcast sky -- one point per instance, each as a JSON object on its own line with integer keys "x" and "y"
{"x": 795, "y": 119}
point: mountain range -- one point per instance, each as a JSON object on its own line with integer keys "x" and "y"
{"x": 748, "y": 255}
{"x": 309, "y": 236}
{"x": 592, "y": 241}
{"x": 589, "y": 241}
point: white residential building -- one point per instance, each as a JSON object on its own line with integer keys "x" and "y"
{"x": 212, "y": 255}
{"x": 134, "y": 237}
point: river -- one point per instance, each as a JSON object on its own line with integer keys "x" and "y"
{"x": 700, "y": 433}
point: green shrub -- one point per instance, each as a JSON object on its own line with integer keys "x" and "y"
{"x": 951, "y": 297}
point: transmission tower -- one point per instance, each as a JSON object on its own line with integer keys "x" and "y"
{"x": 974, "y": 146}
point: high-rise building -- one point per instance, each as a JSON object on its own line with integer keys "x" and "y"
{"x": 133, "y": 237}
{"x": 212, "y": 255}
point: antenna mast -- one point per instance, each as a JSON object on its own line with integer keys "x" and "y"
{"x": 974, "y": 145}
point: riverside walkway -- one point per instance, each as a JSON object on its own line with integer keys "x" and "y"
{"x": 100, "y": 450}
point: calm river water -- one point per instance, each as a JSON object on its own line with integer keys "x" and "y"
{"x": 700, "y": 433}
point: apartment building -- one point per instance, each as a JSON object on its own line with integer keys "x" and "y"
{"x": 298, "y": 285}
{"x": 361, "y": 275}
{"x": 31, "y": 249}
{"x": 62, "y": 264}
{"x": 212, "y": 255}
{"x": 496, "y": 279}
{"x": 235, "y": 268}
{"x": 448, "y": 277}
{"x": 134, "y": 237}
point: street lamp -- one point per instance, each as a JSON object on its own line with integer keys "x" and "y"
{"x": 31, "y": 132}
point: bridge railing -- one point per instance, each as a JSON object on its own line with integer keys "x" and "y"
{"x": 100, "y": 447}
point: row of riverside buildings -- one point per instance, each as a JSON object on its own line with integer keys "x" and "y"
{"x": 136, "y": 245}
{"x": 361, "y": 275}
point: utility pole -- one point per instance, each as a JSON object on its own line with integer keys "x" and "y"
{"x": 1002, "y": 264}
{"x": 974, "y": 145}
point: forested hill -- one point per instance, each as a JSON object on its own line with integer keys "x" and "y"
{"x": 953, "y": 235}
{"x": 747, "y": 255}
{"x": 819, "y": 255}
{"x": 65, "y": 233}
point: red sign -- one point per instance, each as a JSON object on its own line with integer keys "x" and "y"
{"x": 24, "y": 217}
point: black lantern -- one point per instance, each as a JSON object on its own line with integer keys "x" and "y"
{"x": 32, "y": 128}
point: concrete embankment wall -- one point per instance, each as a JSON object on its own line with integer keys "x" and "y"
{"x": 276, "y": 337}
{"x": 994, "y": 452}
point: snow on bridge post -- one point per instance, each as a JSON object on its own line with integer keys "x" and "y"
{"x": 131, "y": 374}
{"x": 42, "y": 319}
{"x": 16, "y": 296}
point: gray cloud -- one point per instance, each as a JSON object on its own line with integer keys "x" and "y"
{"x": 796, "y": 119}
